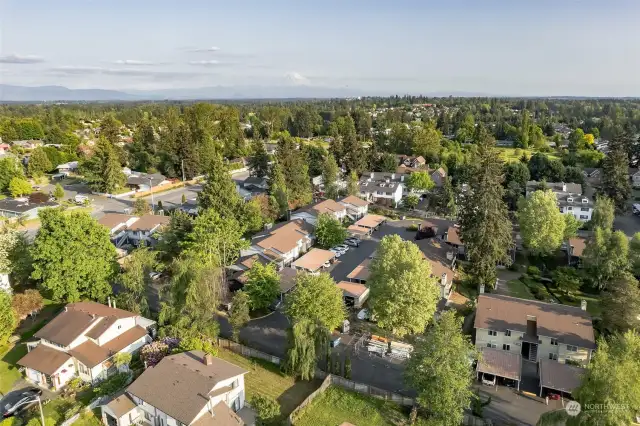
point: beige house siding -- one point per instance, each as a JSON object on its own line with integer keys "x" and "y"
{"x": 483, "y": 337}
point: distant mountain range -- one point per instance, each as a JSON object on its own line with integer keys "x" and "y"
{"x": 9, "y": 93}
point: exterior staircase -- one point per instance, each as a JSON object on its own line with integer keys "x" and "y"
{"x": 533, "y": 353}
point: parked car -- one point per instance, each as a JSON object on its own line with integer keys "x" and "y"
{"x": 338, "y": 249}
{"x": 352, "y": 242}
{"x": 155, "y": 275}
{"x": 81, "y": 199}
{"x": 337, "y": 252}
{"x": 488, "y": 379}
{"x": 343, "y": 247}
{"x": 326, "y": 264}
{"x": 19, "y": 401}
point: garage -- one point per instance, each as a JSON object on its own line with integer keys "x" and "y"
{"x": 498, "y": 364}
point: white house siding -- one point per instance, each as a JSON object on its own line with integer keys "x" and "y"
{"x": 99, "y": 372}
{"x": 236, "y": 393}
{"x": 583, "y": 214}
{"x": 116, "y": 329}
{"x": 514, "y": 342}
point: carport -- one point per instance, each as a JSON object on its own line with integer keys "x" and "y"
{"x": 371, "y": 222}
{"x": 358, "y": 231}
{"x": 499, "y": 363}
{"x": 562, "y": 378}
{"x": 313, "y": 260}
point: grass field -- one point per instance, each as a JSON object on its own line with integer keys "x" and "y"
{"x": 88, "y": 418}
{"x": 513, "y": 154}
{"x": 9, "y": 374}
{"x": 265, "y": 378}
{"x": 518, "y": 289}
{"x": 337, "y": 405}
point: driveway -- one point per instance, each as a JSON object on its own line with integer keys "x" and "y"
{"x": 627, "y": 223}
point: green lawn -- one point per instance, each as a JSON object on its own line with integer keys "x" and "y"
{"x": 9, "y": 374}
{"x": 88, "y": 418}
{"x": 337, "y": 405}
{"x": 265, "y": 378}
{"x": 518, "y": 289}
{"x": 513, "y": 154}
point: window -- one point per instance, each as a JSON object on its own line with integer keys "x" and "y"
{"x": 584, "y": 209}
{"x": 553, "y": 356}
{"x": 119, "y": 327}
{"x": 147, "y": 415}
{"x": 506, "y": 347}
{"x": 234, "y": 384}
{"x": 491, "y": 345}
{"x": 571, "y": 348}
{"x": 554, "y": 341}
{"x": 585, "y": 217}
{"x": 569, "y": 208}
{"x": 493, "y": 333}
{"x": 83, "y": 369}
{"x": 507, "y": 333}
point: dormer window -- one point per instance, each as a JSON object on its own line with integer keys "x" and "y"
{"x": 570, "y": 199}
{"x": 585, "y": 201}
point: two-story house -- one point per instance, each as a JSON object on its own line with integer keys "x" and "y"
{"x": 443, "y": 263}
{"x": 356, "y": 207}
{"x": 382, "y": 188}
{"x": 571, "y": 199}
{"x": 186, "y": 389}
{"x": 283, "y": 243}
{"x": 311, "y": 212}
{"x": 533, "y": 329}
{"x": 82, "y": 340}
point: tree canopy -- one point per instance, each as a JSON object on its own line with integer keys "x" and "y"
{"x": 542, "y": 225}
{"x": 263, "y": 285}
{"x": 329, "y": 231}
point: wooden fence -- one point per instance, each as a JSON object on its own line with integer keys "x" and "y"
{"x": 247, "y": 351}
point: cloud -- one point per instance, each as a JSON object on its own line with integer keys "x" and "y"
{"x": 134, "y": 62}
{"x": 296, "y": 78}
{"x": 21, "y": 59}
{"x": 71, "y": 70}
{"x": 206, "y": 49}
{"x": 205, "y": 63}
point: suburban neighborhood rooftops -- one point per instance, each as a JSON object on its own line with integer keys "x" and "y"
{"x": 22, "y": 205}
{"x": 138, "y": 178}
{"x": 370, "y": 221}
{"x": 355, "y": 229}
{"x": 180, "y": 384}
{"x": 314, "y": 259}
{"x": 352, "y": 289}
{"x": 578, "y": 244}
{"x": 121, "y": 405}
{"x": 44, "y": 359}
{"x": 354, "y": 201}
{"x": 149, "y": 222}
{"x": 361, "y": 272}
{"x": 248, "y": 261}
{"x": 570, "y": 325}
{"x": 221, "y": 415}
{"x": 500, "y": 363}
{"x": 570, "y": 188}
{"x": 111, "y": 220}
{"x": 559, "y": 376}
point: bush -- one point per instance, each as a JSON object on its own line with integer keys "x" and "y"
{"x": 412, "y": 227}
{"x": 533, "y": 271}
{"x": 112, "y": 385}
{"x": 267, "y": 410}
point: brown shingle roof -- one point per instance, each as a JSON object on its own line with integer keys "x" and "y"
{"x": 361, "y": 272}
{"x": 90, "y": 354}
{"x": 102, "y": 326}
{"x": 325, "y": 206}
{"x": 285, "y": 238}
{"x": 180, "y": 383}
{"x": 561, "y": 377}
{"x": 99, "y": 309}
{"x": 569, "y": 324}
{"x": 500, "y": 363}
{"x": 355, "y": 229}
{"x": 121, "y": 405}
{"x": 111, "y": 220}
{"x": 148, "y": 222}
{"x": 44, "y": 359}
{"x": 355, "y": 201}
{"x": 578, "y": 245}
{"x": 314, "y": 259}
{"x": 287, "y": 279}
{"x": 352, "y": 289}
{"x": 222, "y": 416}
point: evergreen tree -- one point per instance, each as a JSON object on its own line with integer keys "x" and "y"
{"x": 219, "y": 191}
{"x": 278, "y": 188}
{"x": 239, "y": 314}
{"x": 445, "y": 199}
{"x": 38, "y": 163}
{"x": 103, "y": 169}
{"x": 295, "y": 171}
{"x": 484, "y": 220}
{"x": 354, "y": 153}
{"x": 353, "y": 187}
{"x": 621, "y": 304}
{"x": 259, "y": 159}
{"x": 615, "y": 173}
{"x": 606, "y": 256}
{"x": 330, "y": 177}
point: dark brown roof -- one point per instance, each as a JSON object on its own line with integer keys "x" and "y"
{"x": 90, "y": 354}
{"x": 361, "y": 272}
{"x": 287, "y": 279}
{"x": 102, "y": 326}
{"x": 121, "y": 405}
{"x": 500, "y": 363}
{"x": 355, "y": 201}
{"x": 569, "y": 324}
{"x": 180, "y": 384}
{"x": 75, "y": 319}
{"x": 222, "y": 416}
{"x": 111, "y": 220}
{"x": 44, "y": 359}
{"x": 560, "y": 377}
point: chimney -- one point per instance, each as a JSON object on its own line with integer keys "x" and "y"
{"x": 481, "y": 288}
{"x": 583, "y": 305}
{"x": 109, "y": 301}
{"x": 208, "y": 359}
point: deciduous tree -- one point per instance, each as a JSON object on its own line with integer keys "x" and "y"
{"x": 141, "y": 207}
{"x": 484, "y": 221}
{"x": 38, "y": 163}
{"x": 9, "y": 168}
{"x": 420, "y": 181}
{"x": 425, "y": 141}
{"x": 397, "y": 270}
{"x": 603, "y": 213}
{"x": 439, "y": 370}
{"x": 571, "y": 226}
{"x": 26, "y": 303}
{"x": 605, "y": 256}
{"x": 263, "y": 285}
{"x": 352, "y": 184}
{"x": 58, "y": 192}
{"x": 73, "y": 257}
{"x": 541, "y": 223}
{"x": 8, "y": 318}
{"x": 19, "y": 187}
{"x": 135, "y": 280}
{"x": 329, "y": 231}
{"x": 567, "y": 279}
{"x": 330, "y": 177}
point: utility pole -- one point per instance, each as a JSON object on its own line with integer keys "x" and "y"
{"x": 152, "y": 203}
{"x": 41, "y": 412}
{"x": 183, "y": 179}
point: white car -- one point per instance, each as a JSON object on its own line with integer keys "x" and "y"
{"x": 343, "y": 247}
{"x": 338, "y": 249}
{"x": 337, "y": 252}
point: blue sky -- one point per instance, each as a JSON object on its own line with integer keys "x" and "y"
{"x": 502, "y": 47}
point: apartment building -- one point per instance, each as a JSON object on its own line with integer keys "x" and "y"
{"x": 571, "y": 199}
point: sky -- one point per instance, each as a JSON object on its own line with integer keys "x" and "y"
{"x": 494, "y": 47}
